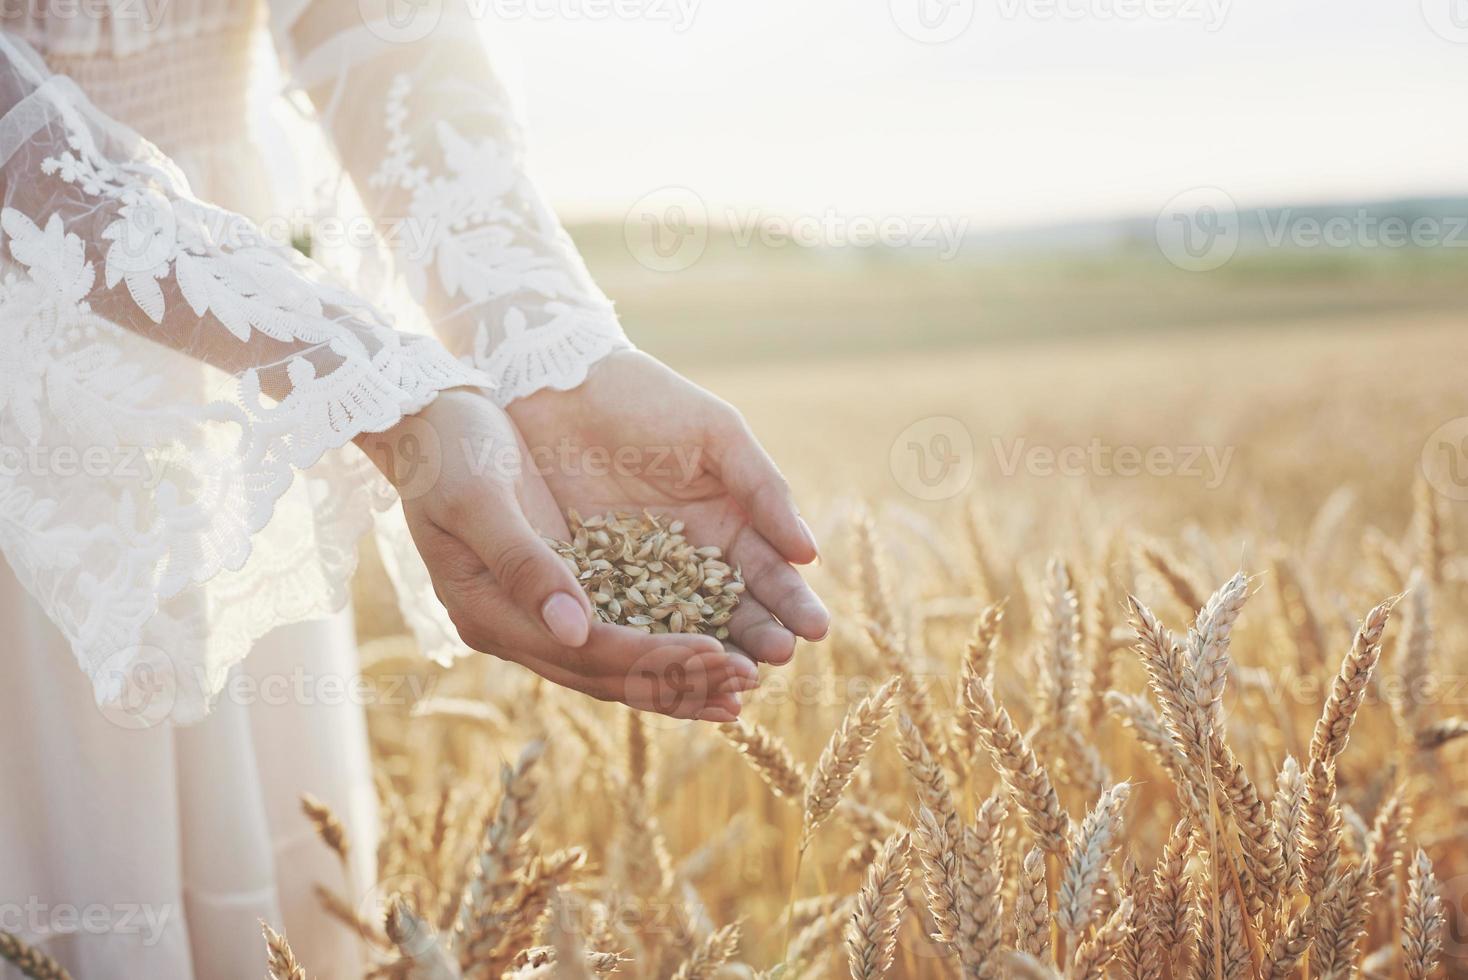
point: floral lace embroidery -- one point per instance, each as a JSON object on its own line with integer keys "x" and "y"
{"x": 188, "y": 480}
{"x": 479, "y": 234}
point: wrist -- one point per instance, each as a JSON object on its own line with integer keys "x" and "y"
{"x": 405, "y": 449}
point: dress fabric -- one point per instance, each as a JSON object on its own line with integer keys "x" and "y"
{"x": 179, "y": 503}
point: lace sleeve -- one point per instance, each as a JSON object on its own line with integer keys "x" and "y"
{"x": 424, "y": 128}
{"x": 166, "y": 374}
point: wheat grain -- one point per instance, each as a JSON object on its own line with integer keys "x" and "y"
{"x": 641, "y": 571}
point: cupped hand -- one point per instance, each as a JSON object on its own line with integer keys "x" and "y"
{"x": 477, "y": 514}
{"x": 638, "y": 436}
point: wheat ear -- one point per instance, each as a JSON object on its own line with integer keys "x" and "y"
{"x": 1349, "y": 688}
{"x": 843, "y": 753}
{"x": 1099, "y": 837}
{"x": 1422, "y": 919}
{"x": 871, "y": 936}
{"x": 30, "y": 961}
{"x": 1029, "y": 785}
{"x": 1032, "y": 907}
{"x": 1098, "y": 949}
{"x": 280, "y": 960}
{"x": 981, "y": 889}
{"x": 711, "y": 955}
{"x": 770, "y": 757}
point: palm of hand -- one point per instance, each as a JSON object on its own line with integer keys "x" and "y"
{"x": 636, "y": 436}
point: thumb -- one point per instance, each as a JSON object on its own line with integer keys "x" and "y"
{"x": 537, "y": 580}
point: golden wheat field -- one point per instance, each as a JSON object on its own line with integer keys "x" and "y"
{"x": 1065, "y": 725}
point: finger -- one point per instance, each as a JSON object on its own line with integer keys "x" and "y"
{"x": 755, "y": 631}
{"x": 721, "y": 709}
{"x": 757, "y": 485}
{"x": 779, "y": 588}
{"x": 670, "y": 681}
{"x": 534, "y": 577}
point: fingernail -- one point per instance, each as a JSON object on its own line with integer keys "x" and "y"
{"x": 566, "y": 620}
{"x": 810, "y": 537}
{"x": 815, "y": 610}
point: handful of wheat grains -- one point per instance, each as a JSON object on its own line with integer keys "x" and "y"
{"x": 640, "y": 571}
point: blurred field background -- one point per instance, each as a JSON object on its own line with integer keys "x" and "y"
{"x": 1318, "y": 367}
{"x": 1322, "y": 375}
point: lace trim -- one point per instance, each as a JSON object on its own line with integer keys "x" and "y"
{"x": 485, "y": 241}
{"x": 116, "y": 558}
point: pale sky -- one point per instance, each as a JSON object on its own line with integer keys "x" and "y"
{"x": 1040, "y": 110}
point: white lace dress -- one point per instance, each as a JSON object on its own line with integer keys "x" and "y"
{"x": 178, "y": 392}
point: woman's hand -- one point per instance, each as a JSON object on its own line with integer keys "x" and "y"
{"x": 636, "y": 435}
{"x": 477, "y": 515}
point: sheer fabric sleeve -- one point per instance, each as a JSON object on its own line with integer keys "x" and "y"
{"x": 167, "y": 374}
{"x": 426, "y": 131}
